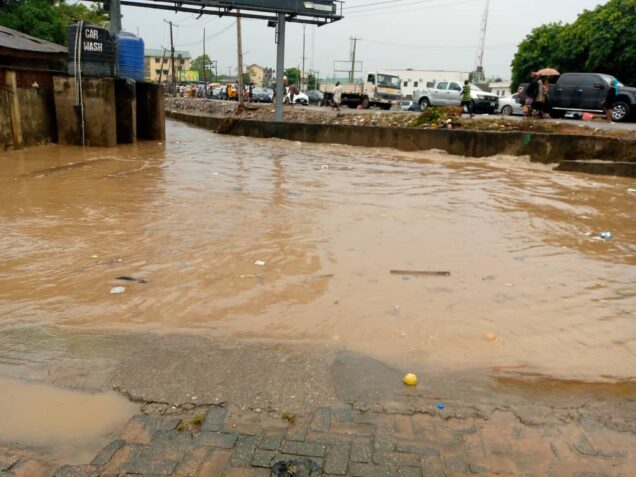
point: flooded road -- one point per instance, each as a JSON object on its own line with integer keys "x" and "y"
{"x": 75, "y": 425}
{"x": 252, "y": 239}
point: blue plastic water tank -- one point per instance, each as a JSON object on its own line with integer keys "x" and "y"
{"x": 130, "y": 56}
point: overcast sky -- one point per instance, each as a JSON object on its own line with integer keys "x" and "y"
{"x": 424, "y": 34}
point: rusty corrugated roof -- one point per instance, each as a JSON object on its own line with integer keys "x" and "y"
{"x": 15, "y": 40}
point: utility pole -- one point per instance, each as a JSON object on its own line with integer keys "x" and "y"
{"x": 204, "y": 64}
{"x": 303, "y": 79}
{"x": 174, "y": 75}
{"x": 115, "y": 17}
{"x": 353, "y": 59}
{"x": 163, "y": 59}
{"x": 241, "y": 87}
{"x": 280, "y": 66}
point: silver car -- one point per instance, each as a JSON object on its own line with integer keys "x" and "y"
{"x": 510, "y": 105}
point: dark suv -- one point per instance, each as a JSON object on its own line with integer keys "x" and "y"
{"x": 586, "y": 92}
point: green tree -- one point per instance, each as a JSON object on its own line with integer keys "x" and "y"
{"x": 47, "y": 19}
{"x": 312, "y": 82}
{"x": 602, "y": 40}
{"x": 203, "y": 64}
{"x": 293, "y": 76}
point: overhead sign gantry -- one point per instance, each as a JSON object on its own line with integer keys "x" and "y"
{"x": 276, "y": 12}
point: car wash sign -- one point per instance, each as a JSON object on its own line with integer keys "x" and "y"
{"x": 94, "y": 39}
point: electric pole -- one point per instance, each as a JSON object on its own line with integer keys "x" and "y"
{"x": 353, "y": 58}
{"x": 241, "y": 87}
{"x": 163, "y": 59}
{"x": 205, "y": 87}
{"x": 303, "y": 79}
{"x": 174, "y": 75}
{"x": 115, "y": 17}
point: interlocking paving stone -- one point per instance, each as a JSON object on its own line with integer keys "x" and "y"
{"x": 121, "y": 460}
{"x": 455, "y": 463}
{"x": 270, "y": 441}
{"x": 384, "y": 439}
{"x": 397, "y": 458}
{"x": 263, "y": 458}
{"x": 191, "y": 462}
{"x": 215, "y": 463}
{"x": 107, "y": 453}
{"x": 321, "y": 419}
{"x": 416, "y": 447}
{"x": 215, "y": 419}
{"x": 73, "y": 471}
{"x": 328, "y": 438}
{"x": 298, "y": 430}
{"x": 372, "y": 470}
{"x": 152, "y": 467}
{"x": 168, "y": 445}
{"x": 409, "y": 472}
{"x": 351, "y": 429}
{"x": 432, "y": 467}
{"x": 225, "y": 440}
{"x": 309, "y": 449}
{"x": 361, "y": 450}
{"x": 337, "y": 459}
{"x": 243, "y": 451}
{"x": 247, "y": 472}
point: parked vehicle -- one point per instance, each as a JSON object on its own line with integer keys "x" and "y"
{"x": 300, "y": 98}
{"x": 511, "y": 105}
{"x": 449, "y": 93}
{"x": 315, "y": 96}
{"x": 585, "y": 93}
{"x": 379, "y": 89}
{"x": 260, "y": 95}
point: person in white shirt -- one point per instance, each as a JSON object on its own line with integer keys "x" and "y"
{"x": 337, "y": 96}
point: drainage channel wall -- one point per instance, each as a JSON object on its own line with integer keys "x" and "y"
{"x": 578, "y": 153}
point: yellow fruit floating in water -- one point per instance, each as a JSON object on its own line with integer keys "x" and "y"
{"x": 410, "y": 379}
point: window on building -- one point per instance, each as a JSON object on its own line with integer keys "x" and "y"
{"x": 415, "y": 84}
{"x": 406, "y": 83}
{"x": 157, "y": 60}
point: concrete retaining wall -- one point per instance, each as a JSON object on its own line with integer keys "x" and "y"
{"x": 99, "y": 111}
{"x": 540, "y": 147}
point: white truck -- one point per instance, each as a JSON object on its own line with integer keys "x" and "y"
{"x": 449, "y": 93}
{"x": 379, "y": 89}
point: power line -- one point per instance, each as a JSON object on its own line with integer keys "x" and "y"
{"x": 220, "y": 32}
{"x": 384, "y": 11}
{"x": 375, "y": 3}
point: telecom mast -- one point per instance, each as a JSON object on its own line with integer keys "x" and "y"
{"x": 479, "y": 70}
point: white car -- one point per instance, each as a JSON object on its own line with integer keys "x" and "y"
{"x": 510, "y": 105}
{"x": 300, "y": 98}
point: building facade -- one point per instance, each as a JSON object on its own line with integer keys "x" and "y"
{"x": 412, "y": 80}
{"x": 158, "y": 65}
{"x": 500, "y": 88}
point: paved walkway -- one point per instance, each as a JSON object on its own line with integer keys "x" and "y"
{"x": 229, "y": 441}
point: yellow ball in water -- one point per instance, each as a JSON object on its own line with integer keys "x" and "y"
{"x": 410, "y": 379}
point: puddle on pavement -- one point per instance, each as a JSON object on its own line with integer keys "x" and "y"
{"x": 71, "y": 426}
{"x": 242, "y": 238}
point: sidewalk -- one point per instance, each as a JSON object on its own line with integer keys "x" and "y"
{"x": 229, "y": 441}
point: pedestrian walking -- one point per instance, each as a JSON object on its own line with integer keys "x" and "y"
{"x": 531, "y": 93}
{"x": 293, "y": 91}
{"x": 251, "y": 91}
{"x": 539, "y": 102}
{"x": 610, "y": 100}
{"x": 337, "y": 96}
{"x": 467, "y": 101}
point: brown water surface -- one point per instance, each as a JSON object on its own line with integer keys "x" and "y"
{"x": 74, "y": 425}
{"x": 532, "y": 290}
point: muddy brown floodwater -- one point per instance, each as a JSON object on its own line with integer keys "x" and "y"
{"x": 247, "y": 239}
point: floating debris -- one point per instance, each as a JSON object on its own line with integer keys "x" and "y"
{"x": 117, "y": 290}
{"x": 421, "y": 273}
